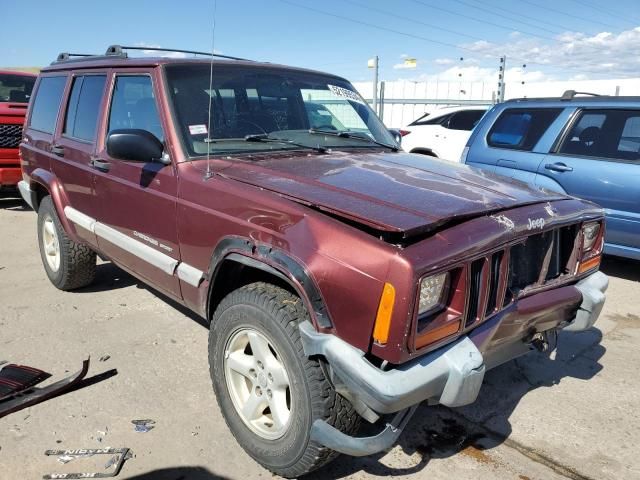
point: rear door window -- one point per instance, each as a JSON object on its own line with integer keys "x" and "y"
{"x": 613, "y": 134}
{"x": 464, "y": 120}
{"x": 47, "y": 104}
{"x": 84, "y": 107}
{"x": 520, "y": 128}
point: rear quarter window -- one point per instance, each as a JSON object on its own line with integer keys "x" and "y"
{"x": 605, "y": 134}
{"x": 46, "y": 103}
{"x": 520, "y": 128}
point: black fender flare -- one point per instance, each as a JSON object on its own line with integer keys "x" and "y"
{"x": 275, "y": 262}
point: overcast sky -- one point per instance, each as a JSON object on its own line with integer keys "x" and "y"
{"x": 452, "y": 40}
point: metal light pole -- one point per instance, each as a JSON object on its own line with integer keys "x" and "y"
{"x": 373, "y": 63}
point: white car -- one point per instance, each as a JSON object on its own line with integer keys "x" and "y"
{"x": 443, "y": 133}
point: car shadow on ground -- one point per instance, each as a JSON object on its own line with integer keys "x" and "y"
{"x": 14, "y": 204}
{"x": 624, "y": 268}
{"x": 441, "y": 432}
{"x": 110, "y": 277}
{"x": 178, "y": 473}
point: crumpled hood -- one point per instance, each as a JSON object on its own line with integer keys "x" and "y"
{"x": 391, "y": 192}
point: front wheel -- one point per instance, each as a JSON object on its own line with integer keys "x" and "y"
{"x": 269, "y": 392}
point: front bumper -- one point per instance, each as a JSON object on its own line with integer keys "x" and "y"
{"x": 592, "y": 289}
{"x": 451, "y": 375}
{"x": 10, "y": 176}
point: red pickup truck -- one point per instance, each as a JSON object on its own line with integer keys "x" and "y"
{"x": 15, "y": 91}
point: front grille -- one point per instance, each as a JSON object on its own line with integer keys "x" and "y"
{"x": 531, "y": 263}
{"x": 10, "y": 135}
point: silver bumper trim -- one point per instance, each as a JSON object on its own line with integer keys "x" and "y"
{"x": 451, "y": 375}
{"x": 592, "y": 289}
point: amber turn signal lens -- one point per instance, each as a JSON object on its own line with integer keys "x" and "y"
{"x": 439, "y": 333}
{"x": 589, "y": 264}
{"x": 383, "y": 318}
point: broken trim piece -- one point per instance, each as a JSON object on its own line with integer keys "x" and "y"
{"x": 38, "y": 395}
{"x": 123, "y": 452}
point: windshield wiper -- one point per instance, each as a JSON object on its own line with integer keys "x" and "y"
{"x": 347, "y": 134}
{"x": 264, "y": 137}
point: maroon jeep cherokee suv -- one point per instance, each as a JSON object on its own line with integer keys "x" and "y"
{"x": 343, "y": 279}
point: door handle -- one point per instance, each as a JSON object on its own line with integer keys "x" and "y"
{"x": 558, "y": 167}
{"x": 57, "y": 150}
{"x": 101, "y": 165}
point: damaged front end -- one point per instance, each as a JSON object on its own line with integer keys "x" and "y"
{"x": 489, "y": 295}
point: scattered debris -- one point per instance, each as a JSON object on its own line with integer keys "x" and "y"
{"x": 143, "y": 426}
{"x": 18, "y": 378}
{"x": 104, "y": 358}
{"x": 21, "y": 398}
{"x": 65, "y": 456}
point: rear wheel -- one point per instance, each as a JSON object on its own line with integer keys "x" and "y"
{"x": 69, "y": 265}
{"x": 269, "y": 391}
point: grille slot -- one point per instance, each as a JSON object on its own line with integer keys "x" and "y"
{"x": 494, "y": 282}
{"x": 10, "y": 135}
{"x": 474, "y": 291}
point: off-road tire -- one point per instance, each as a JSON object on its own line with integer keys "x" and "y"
{"x": 77, "y": 262}
{"x": 276, "y": 313}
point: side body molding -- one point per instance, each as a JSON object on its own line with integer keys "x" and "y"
{"x": 167, "y": 264}
{"x": 274, "y": 261}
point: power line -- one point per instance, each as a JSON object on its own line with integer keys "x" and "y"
{"x": 408, "y": 19}
{"x": 572, "y": 15}
{"x": 518, "y": 14}
{"x": 497, "y": 14}
{"x": 410, "y": 35}
{"x": 600, "y": 48}
{"x": 484, "y": 22}
{"x": 606, "y": 11}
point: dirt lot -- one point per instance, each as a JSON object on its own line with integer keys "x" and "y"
{"x": 575, "y": 415}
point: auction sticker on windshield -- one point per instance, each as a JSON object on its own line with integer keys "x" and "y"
{"x": 197, "y": 129}
{"x": 346, "y": 93}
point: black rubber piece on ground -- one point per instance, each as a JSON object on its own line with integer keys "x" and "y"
{"x": 77, "y": 262}
{"x": 276, "y": 313}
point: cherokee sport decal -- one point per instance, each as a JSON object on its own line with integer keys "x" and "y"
{"x": 535, "y": 223}
{"x": 152, "y": 241}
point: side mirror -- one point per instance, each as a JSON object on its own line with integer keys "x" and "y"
{"x": 397, "y": 135}
{"x": 135, "y": 145}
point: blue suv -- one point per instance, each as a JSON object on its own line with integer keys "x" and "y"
{"x": 588, "y": 147}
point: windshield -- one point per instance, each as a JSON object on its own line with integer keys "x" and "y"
{"x": 286, "y": 109}
{"x": 16, "y": 88}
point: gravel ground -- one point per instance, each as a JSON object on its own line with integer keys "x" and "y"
{"x": 574, "y": 415}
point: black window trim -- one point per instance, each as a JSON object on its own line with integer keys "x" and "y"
{"x": 112, "y": 88}
{"x": 575, "y": 118}
{"x": 518, "y": 148}
{"x": 62, "y": 99}
{"x": 68, "y": 98}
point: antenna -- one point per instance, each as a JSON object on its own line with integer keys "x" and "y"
{"x": 208, "y": 173}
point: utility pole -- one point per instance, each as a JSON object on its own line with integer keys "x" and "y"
{"x": 373, "y": 63}
{"x": 501, "y": 73}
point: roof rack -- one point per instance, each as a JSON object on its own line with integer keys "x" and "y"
{"x": 570, "y": 94}
{"x": 118, "y": 51}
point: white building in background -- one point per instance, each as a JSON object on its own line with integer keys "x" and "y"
{"x": 398, "y": 114}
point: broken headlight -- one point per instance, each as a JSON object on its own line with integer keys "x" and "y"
{"x": 590, "y": 233}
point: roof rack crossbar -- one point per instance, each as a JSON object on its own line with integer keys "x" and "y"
{"x": 569, "y": 94}
{"x": 118, "y": 49}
